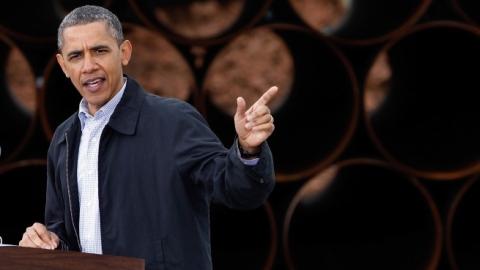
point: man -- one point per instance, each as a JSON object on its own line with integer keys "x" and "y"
{"x": 133, "y": 174}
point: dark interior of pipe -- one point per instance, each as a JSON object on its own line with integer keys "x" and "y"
{"x": 229, "y": 243}
{"x": 464, "y": 233}
{"x": 470, "y": 10}
{"x": 428, "y": 119}
{"x": 368, "y": 217}
{"x": 16, "y": 18}
{"x": 17, "y": 213}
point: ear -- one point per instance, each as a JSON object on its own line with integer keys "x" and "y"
{"x": 61, "y": 62}
{"x": 126, "y": 51}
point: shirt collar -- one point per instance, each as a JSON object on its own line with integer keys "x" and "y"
{"x": 105, "y": 111}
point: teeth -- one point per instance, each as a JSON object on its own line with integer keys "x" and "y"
{"x": 92, "y": 82}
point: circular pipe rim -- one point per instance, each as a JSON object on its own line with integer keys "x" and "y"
{"x": 429, "y": 174}
{"x": 204, "y": 42}
{"x": 438, "y": 234}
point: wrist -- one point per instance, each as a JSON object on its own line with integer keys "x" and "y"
{"x": 248, "y": 152}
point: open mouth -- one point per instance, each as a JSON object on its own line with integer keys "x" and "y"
{"x": 94, "y": 84}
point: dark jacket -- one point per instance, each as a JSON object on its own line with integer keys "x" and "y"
{"x": 159, "y": 167}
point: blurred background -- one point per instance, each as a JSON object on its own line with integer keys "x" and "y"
{"x": 377, "y": 141}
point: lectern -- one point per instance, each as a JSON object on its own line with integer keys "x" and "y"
{"x": 18, "y": 258}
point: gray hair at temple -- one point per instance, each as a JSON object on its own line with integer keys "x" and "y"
{"x": 89, "y": 14}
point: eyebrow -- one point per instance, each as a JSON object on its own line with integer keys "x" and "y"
{"x": 97, "y": 47}
{"x": 94, "y": 48}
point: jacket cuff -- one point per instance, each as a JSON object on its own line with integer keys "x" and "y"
{"x": 262, "y": 171}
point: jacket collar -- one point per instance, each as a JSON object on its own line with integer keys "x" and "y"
{"x": 125, "y": 117}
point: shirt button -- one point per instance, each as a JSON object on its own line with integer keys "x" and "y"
{"x": 261, "y": 180}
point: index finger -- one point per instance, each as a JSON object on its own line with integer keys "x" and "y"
{"x": 266, "y": 97}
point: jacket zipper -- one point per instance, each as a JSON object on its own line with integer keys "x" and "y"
{"x": 70, "y": 197}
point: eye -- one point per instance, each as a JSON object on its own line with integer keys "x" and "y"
{"x": 101, "y": 51}
{"x": 74, "y": 56}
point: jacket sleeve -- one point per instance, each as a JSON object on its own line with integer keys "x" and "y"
{"x": 54, "y": 210}
{"x": 203, "y": 159}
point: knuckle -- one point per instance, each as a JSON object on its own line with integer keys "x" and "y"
{"x": 55, "y": 237}
{"x": 31, "y": 234}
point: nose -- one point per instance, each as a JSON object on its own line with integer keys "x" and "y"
{"x": 89, "y": 63}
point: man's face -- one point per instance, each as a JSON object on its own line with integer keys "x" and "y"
{"x": 93, "y": 60}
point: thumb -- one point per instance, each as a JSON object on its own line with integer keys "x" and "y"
{"x": 241, "y": 107}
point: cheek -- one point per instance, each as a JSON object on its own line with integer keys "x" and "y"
{"x": 76, "y": 82}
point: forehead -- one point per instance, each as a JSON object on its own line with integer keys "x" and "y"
{"x": 87, "y": 34}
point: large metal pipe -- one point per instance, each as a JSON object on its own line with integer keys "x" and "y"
{"x": 200, "y": 22}
{"x": 359, "y": 22}
{"x": 421, "y": 101}
{"x": 18, "y": 100}
{"x": 316, "y": 111}
{"x": 362, "y": 214}
{"x": 16, "y": 18}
